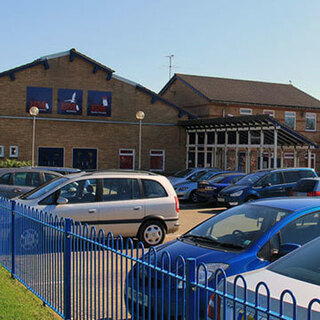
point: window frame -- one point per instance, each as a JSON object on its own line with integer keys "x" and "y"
{"x": 1, "y": 151}
{"x": 243, "y": 111}
{"x": 314, "y": 117}
{"x": 290, "y": 114}
{"x": 14, "y": 154}
{"x": 162, "y": 154}
{"x": 269, "y": 112}
{"x": 131, "y": 153}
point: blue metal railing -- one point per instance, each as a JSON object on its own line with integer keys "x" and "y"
{"x": 82, "y": 273}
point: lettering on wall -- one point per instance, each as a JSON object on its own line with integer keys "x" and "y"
{"x": 40, "y": 98}
{"x": 99, "y": 103}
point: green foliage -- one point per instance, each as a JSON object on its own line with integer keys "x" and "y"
{"x": 12, "y": 163}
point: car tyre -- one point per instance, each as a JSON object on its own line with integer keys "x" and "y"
{"x": 194, "y": 197}
{"x": 152, "y": 233}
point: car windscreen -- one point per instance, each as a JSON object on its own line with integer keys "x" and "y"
{"x": 219, "y": 178}
{"x": 250, "y": 179}
{"x": 43, "y": 189}
{"x": 302, "y": 264}
{"x": 305, "y": 185}
{"x": 237, "y": 228}
{"x": 182, "y": 173}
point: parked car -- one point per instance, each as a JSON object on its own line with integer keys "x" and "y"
{"x": 133, "y": 204}
{"x": 62, "y": 170}
{"x": 240, "y": 239}
{"x": 187, "y": 174}
{"x": 207, "y": 190}
{"x": 297, "y": 272}
{"x": 15, "y": 181}
{"x": 188, "y": 190}
{"x": 263, "y": 184}
{"x": 308, "y": 187}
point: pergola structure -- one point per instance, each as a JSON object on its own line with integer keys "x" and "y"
{"x": 209, "y": 141}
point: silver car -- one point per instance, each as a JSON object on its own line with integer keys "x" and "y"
{"x": 15, "y": 181}
{"x": 133, "y": 204}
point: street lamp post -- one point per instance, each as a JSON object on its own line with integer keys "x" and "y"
{"x": 140, "y": 116}
{"x": 34, "y": 111}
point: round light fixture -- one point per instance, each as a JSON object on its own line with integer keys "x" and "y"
{"x": 34, "y": 111}
{"x": 140, "y": 115}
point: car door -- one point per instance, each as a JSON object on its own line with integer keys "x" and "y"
{"x": 5, "y": 184}
{"x": 75, "y": 200}
{"x": 271, "y": 186}
{"x": 23, "y": 181}
{"x": 291, "y": 177}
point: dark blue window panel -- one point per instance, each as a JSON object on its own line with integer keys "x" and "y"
{"x": 51, "y": 157}
{"x": 84, "y": 159}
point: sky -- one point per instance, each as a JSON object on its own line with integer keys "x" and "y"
{"x": 273, "y": 41}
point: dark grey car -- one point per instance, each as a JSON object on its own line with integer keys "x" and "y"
{"x": 15, "y": 181}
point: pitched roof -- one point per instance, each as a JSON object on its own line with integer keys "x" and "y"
{"x": 243, "y": 91}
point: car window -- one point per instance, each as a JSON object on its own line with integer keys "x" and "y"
{"x": 116, "y": 189}
{"x": 291, "y": 176}
{"x": 182, "y": 173}
{"x": 305, "y": 185}
{"x": 153, "y": 189}
{"x": 235, "y": 179}
{"x": 19, "y": 178}
{"x": 302, "y": 230}
{"x": 197, "y": 176}
{"x": 5, "y": 179}
{"x": 302, "y": 265}
{"x": 49, "y": 176}
{"x": 307, "y": 174}
{"x": 33, "y": 179}
{"x": 271, "y": 179}
{"x": 250, "y": 179}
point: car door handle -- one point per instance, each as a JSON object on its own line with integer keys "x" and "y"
{"x": 92, "y": 210}
{"x": 137, "y": 208}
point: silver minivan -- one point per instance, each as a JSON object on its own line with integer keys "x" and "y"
{"x": 133, "y": 204}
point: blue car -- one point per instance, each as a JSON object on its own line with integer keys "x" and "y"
{"x": 263, "y": 184}
{"x": 208, "y": 189}
{"x": 240, "y": 239}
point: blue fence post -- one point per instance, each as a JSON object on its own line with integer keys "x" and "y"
{"x": 190, "y": 289}
{"x": 67, "y": 269}
{"x": 13, "y": 265}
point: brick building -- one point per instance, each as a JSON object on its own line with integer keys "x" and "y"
{"x": 87, "y": 117}
{"x": 296, "y": 112}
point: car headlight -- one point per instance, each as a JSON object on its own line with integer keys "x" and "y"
{"x": 237, "y": 194}
{"x": 203, "y": 276}
{"x": 210, "y": 188}
{"x": 182, "y": 189}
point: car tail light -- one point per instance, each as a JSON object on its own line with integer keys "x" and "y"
{"x": 291, "y": 193}
{"x": 211, "y": 312}
{"x": 313, "y": 194}
{"x": 177, "y": 204}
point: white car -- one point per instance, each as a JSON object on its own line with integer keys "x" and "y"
{"x": 186, "y": 175}
{"x": 133, "y": 204}
{"x": 298, "y": 272}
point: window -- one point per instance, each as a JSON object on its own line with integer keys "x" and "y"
{"x": 311, "y": 119}
{"x": 116, "y": 189}
{"x": 288, "y": 160}
{"x": 84, "y": 158}
{"x": 245, "y": 111}
{"x": 126, "y": 159}
{"x": 5, "y": 179}
{"x": 49, "y": 176}
{"x": 272, "y": 179}
{"x": 14, "y": 151}
{"x": 269, "y": 112}
{"x": 1, "y": 151}
{"x": 31, "y": 179}
{"x": 290, "y": 119}
{"x": 153, "y": 189}
{"x": 291, "y": 176}
{"x": 157, "y": 160}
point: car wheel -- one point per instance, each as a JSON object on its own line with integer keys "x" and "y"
{"x": 152, "y": 233}
{"x": 194, "y": 197}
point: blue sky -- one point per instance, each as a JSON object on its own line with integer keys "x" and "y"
{"x": 274, "y": 41}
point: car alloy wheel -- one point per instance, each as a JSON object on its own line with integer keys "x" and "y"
{"x": 152, "y": 233}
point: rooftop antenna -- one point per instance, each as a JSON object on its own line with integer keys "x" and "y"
{"x": 170, "y": 64}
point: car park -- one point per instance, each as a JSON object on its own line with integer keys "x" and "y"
{"x": 240, "y": 239}
{"x": 15, "y": 181}
{"x": 307, "y": 187}
{"x": 208, "y": 190}
{"x": 298, "y": 273}
{"x": 188, "y": 190}
{"x": 263, "y": 184}
{"x": 127, "y": 203}
{"x": 187, "y": 174}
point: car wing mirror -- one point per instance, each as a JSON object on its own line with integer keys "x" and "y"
{"x": 62, "y": 200}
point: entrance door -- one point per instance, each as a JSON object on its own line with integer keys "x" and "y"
{"x": 50, "y": 157}
{"x": 84, "y": 159}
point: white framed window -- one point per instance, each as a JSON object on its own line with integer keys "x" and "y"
{"x": 126, "y": 159}
{"x": 269, "y": 112}
{"x": 245, "y": 111}
{"x": 157, "y": 160}
{"x": 290, "y": 119}
{"x": 313, "y": 160}
{"x": 14, "y": 152}
{"x": 288, "y": 160}
{"x": 311, "y": 121}
{"x": 1, "y": 151}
